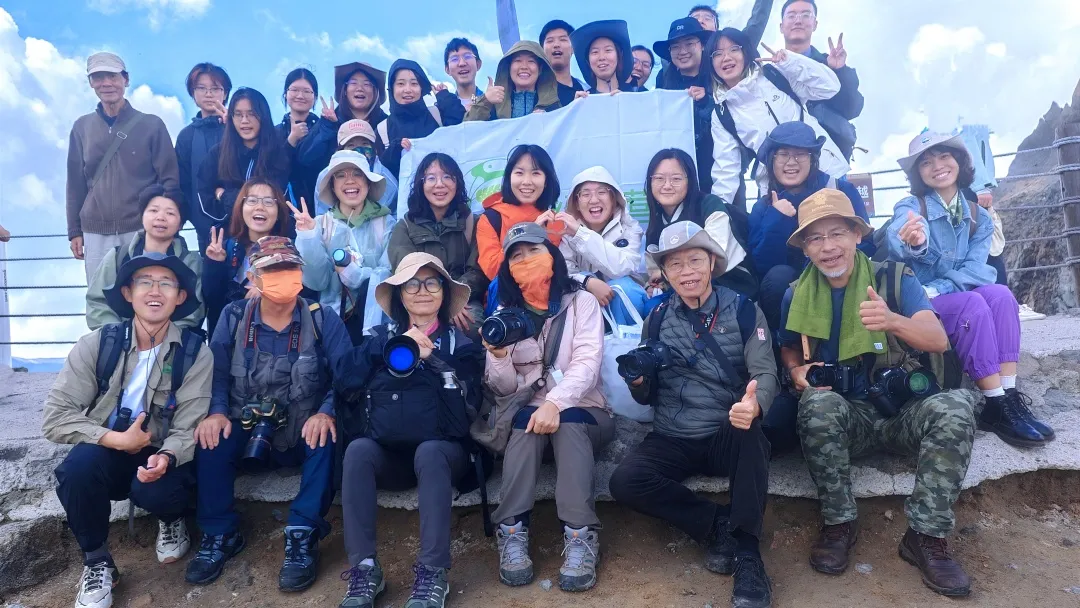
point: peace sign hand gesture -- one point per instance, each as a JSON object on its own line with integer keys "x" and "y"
{"x": 776, "y": 56}
{"x": 837, "y": 53}
{"x": 216, "y": 249}
{"x": 327, "y": 112}
{"x": 303, "y": 219}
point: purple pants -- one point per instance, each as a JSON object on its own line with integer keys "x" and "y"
{"x": 983, "y": 326}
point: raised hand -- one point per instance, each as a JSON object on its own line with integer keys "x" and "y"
{"x": 216, "y": 249}
{"x": 875, "y": 313}
{"x": 783, "y": 205}
{"x": 422, "y": 341}
{"x": 463, "y": 320}
{"x": 327, "y": 112}
{"x": 572, "y": 223}
{"x": 775, "y": 56}
{"x": 406, "y": 144}
{"x": 494, "y": 94}
{"x": 303, "y": 219}
{"x": 697, "y": 93}
{"x": 437, "y": 88}
{"x": 743, "y": 413}
{"x": 837, "y": 53}
{"x": 913, "y": 232}
{"x": 220, "y": 111}
{"x": 298, "y": 131}
{"x": 545, "y": 217}
{"x": 581, "y": 95}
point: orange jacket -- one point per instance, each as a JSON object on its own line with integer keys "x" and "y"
{"x": 489, "y": 244}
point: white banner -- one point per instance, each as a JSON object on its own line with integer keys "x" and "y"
{"x": 619, "y": 132}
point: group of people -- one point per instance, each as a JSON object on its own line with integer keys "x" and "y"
{"x": 385, "y": 348}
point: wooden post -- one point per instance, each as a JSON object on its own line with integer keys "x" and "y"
{"x": 1069, "y": 154}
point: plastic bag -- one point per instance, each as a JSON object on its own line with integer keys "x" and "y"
{"x": 621, "y": 340}
{"x": 373, "y": 313}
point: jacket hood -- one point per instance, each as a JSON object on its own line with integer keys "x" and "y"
{"x": 407, "y": 64}
{"x": 617, "y": 31}
{"x": 370, "y": 211}
{"x": 600, "y": 175}
{"x": 547, "y": 88}
{"x": 137, "y": 245}
{"x": 343, "y": 72}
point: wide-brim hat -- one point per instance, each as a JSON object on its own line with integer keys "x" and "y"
{"x": 377, "y": 77}
{"x": 407, "y": 269}
{"x": 681, "y": 28}
{"x": 618, "y": 32}
{"x": 826, "y": 203}
{"x": 350, "y": 158}
{"x": 184, "y": 276}
{"x": 926, "y": 140}
{"x": 686, "y": 235}
{"x": 794, "y": 134}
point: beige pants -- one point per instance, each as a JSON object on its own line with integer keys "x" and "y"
{"x": 97, "y": 246}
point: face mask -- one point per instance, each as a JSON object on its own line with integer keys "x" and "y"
{"x": 367, "y": 151}
{"x": 283, "y": 286}
{"x": 533, "y": 275}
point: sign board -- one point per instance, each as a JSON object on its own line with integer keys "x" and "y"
{"x": 864, "y": 182}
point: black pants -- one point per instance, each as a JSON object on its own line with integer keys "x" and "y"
{"x": 774, "y": 285}
{"x": 91, "y": 476}
{"x": 779, "y": 424}
{"x": 649, "y": 480}
{"x": 997, "y": 262}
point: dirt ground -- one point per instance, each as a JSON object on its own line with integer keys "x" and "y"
{"x": 1019, "y": 538}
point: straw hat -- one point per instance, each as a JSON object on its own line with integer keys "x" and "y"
{"x": 407, "y": 269}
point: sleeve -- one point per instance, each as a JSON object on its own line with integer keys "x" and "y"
{"x": 470, "y": 371}
{"x": 761, "y": 362}
{"x": 718, "y": 225}
{"x": 613, "y": 262}
{"x": 318, "y": 269}
{"x": 769, "y": 232}
{"x": 195, "y": 320}
{"x": 77, "y": 188}
{"x": 98, "y": 311}
{"x": 221, "y": 347}
{"x": 192, "y": 403}
{"x": 913, "y": 298}
{"x": 759, "y": 19}
{"x": 727, "y": 162}
{"x": 450, "y": 108}
{"x": 214, "y": 286}
{"x": 391, "y": 157}
{"x": 354, "y": 275}
{"x": 75, "y": 389}
{"x": 355, "y": 366}
{"x": 919, "y": 258}
{"x": 489, "y": 246}
{"x": 337, "y": 344}
{"x": 315, "y": 150}
{"x": 973, "y": 271}
{"x": 209, "y": 205}
{"x": 164, "y": 155}
{"x": 400, "y": 244}
{"x": 811, "y": 81}
{"x": 282, "y": 170}
{"x": 500, "y": 375}
{"x": 849, "y": 102}
{"x": 481, "y": 109}
{"x": 183, "y": 164}
{"x": 583, "y": 372}
{"x": 643, "y": 393}
{"x": 787, "y": 338}
{"x": 474, "y": 277}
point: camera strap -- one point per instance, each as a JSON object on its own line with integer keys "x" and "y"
{"x": 552, "y": 342}
{"x": 706, "y": 336}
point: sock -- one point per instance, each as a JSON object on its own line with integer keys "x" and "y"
{"x": 746, "y": 544}
{"x": 97, "y": 555}
{"x": 369, "y": 562}
{"x": 1008, "y": 382}
{"x": 994, "y": 392}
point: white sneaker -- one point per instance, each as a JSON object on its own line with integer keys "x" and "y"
{"x": 95, "y": 588}
{"x": 172, "y": 541}
{"x": 1027, "y": 314}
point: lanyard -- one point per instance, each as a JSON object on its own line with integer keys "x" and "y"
{"x": 251, "y": 343}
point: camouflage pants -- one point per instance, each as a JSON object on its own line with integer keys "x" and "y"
{"x": 939, "y": 430}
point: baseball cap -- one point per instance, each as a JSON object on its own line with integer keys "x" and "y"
{"x": 355, "y": 128}
{"x": 273, "y": 250}
{"x": 525, "y": 232}
{"x": 105, "y": 62}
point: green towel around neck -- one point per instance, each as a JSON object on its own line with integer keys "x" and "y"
{"x": 811, "y": 310}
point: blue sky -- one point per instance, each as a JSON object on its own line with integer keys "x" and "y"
{"x": 921, "y": 62}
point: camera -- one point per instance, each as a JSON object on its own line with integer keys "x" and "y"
{"x": 123, "y": 421}
{"x": 893, "y": 387}
{"x": 264, "y": 416}
{"x": 342, "y": 257}
{"x": 402, "y": 356}
{"x": 841, "y": 378}
{"x": 653, "y": 357}
{"x": 507, "y": 326}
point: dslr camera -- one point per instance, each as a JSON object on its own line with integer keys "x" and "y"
{"x": 507, "y": 326}
{"x": 840, "y": 377}
{"x": 645, "y": 361}
{"x": 893, "y": 387}
{"x": 264, "y": 416}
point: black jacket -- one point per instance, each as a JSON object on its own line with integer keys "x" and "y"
{"x": 845, "y": 106}
{"x": 302, "y": 178}
{"x": 217, "y": 211}
{"x": 314, "y": 151}
{"x": 193, "y": 144}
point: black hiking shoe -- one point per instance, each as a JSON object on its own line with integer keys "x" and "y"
{"x": 720, "y": 548}
{"x": 1022, "y": 403}
{"x": 1001, "y": 417}
{"x": 301, "y": 559}
{"x": 214, "y": 551}
{"x": 752, "y": 587}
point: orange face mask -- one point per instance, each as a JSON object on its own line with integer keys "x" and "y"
{"x": 533, "y": 276}
{"x": 283, "y": 286}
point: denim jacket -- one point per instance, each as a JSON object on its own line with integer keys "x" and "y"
{"x": 949, "y": 261}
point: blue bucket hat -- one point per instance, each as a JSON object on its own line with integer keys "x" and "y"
{"x": 184, "y": 276}
{"x": 792, "y": 134}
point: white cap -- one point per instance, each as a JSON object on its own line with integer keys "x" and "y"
{"x": 105, "y": 62}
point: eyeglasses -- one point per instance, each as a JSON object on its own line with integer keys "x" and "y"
{"x": 799, "y": 157}
{"x": 165, "y": 286}
{"x": 347, "y": 173}
{"x": 684, "y": 45}
{"x": 675, "y": 180}
{"x": 256, "y": 201}
{"x": 361, "y": 84}
{"x": 431, "y": 285}
{"x": 301, "y": 92}
{"x": 800, "y": 16}
{"x": 431, "y": 180}
{"x": 731, "y": 51}
{"x": 675, "y": 267}
{"x": 456, "y": 59}
{"x": 201, "y": 90}
{"x": 588, "y": 195}
{"x": 242, "y": 114}
{"x": 818, "y": 240}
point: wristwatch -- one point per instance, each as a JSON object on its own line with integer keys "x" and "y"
{"x": 170, "y": 456}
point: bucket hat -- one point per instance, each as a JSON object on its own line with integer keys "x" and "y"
{"x": 822, "y": 204}
{"x": 407, "y": 269}
{"x": 616, "y": 30}
{"x": 377, "y": 77}
{"x": 681, "y": 28}
{"x": 686, "y": 235}
{"x": 349, "y": 158}
{"x": 926, "y": 140}
{"x": 184, "y": 276}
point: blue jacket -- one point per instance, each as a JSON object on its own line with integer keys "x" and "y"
{"x": 192, "y": 147}
{"x": 770, "y": 229}
{"x": 951, "y": 260}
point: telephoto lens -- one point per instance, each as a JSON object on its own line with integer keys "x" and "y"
{"x": 402, "y": 356}
{"x": 342, "y": 258}
{"x": 507, "y": 326}
{"x": 259, "y": 446}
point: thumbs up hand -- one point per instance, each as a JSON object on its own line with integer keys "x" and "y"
{"x": 875, "y": 313}
{"x": 783, "y": 205}
{"x": 494, "y": 94}
{"x": 743, "y": 413}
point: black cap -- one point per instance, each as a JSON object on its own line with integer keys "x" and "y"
{"x": 184, "y": 276}
{"x": 555, "y": 24}
{"x": 681, "y": 28}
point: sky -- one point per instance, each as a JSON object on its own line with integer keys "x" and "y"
{"x": 936, "y": 63}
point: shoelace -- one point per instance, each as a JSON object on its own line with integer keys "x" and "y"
{"x": 575, "y": 551}
{"x": 1022, "y": 403}
{"x": 210, "y": 545}
{"x": 514, "y": 549}
{"x": 295, "y": 551}
{"x": 424, "y": 587}
{"x": 750, "y": 570}
{"x": 938, "y": 548}
{"x": 359, "y": 578}
{"x": 837, "y": 532}
{"x": 170, "y": 533}
{"x": 94, "y": 577}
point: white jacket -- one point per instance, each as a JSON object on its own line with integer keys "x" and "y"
{"x": 757, "y": 106}
{"x": 590, "y": 252}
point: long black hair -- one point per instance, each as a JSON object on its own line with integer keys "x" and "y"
{"x": 300, "y": 74}
{"x": 964, "y": 178}
{"x": 542, "y": 160}
{"x": 419, "y": 207}
{"x": 691, "y": 205}
{"x": 561, "y": 284}
{"x": 400, "y": 315}
{"x": 269, "y": 142}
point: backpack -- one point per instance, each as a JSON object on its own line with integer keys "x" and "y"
{"x": 495, "y": 219}
{"x": 881, "y": 235}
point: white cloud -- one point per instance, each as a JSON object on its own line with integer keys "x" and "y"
{"x": 997, "y": 49}
{"x": 157, "y": 11}
{"x": 32, "y": 192}
{"x": 362, "y": 43}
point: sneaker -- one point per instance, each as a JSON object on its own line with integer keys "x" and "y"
{"x": 429, "y": 589}
{"x": 752, "y": 588}
{"x": 931, "y": 556}
{"x": 1001, "y": 417}
{"x": 720, "y": 550}
{"x": 1027, "y": 314}
{"x": 1022, "y": 403}
{"x": 581, "y": 549}
{"x": 515, "y": 566}
{"x": 365, "y": 584}
{"x": 830, "y": 554}
{"x": 172, "y": 541}
{"x": 95, "y": 588}
{"x": 301, "y": 559}
{"x": 209, "y": 561}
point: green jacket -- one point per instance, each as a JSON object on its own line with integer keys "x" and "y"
{"x": 99, "y": 313}
{"x": 453, "y": 240}
{"x": 74, "y": 413}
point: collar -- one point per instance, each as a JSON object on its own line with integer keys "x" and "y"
{"x": 674, "y": 216}
{"x": 125, "y": 111}
{"x": 172, "y": 336}
{"x": 937, "y": 208}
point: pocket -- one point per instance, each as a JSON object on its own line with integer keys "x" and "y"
{"x": 453, "y": 415}
{"x": 306, "y": 379}
{"x": 400, "y": 418}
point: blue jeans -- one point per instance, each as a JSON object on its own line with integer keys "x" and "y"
{"x": 216, "y": 470}
{"x": 637, "y": 296}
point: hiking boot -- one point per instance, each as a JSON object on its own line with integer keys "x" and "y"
{"x": 581, "y": 549}
{"x": 429, "y": 589}
{"x": 1001, "y": 417}
{"x": 829, "y": 554}
{"x": 720, "y": 548}
{"x": 515, "y": 566}
{"x": 939, "y": 572}
{"x": 1022, "y": 403}
{"x": 95, "y": 588}
{"x": 209, "y": 561}
{"x": 752, "y": 587}
{"x": 172, "y": 541}
{"x": 301, "y": 559}
{"x": 365, "y": 584}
